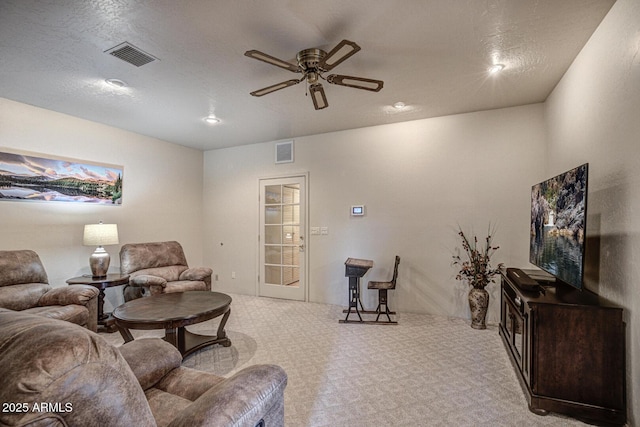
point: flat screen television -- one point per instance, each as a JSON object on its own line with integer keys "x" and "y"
{"x": 558, "y": 224}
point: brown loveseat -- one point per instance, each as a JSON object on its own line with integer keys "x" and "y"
{"x": 160, "y": 267}
{"x": 55, "y": 373}
{"x": 24, "y": 286}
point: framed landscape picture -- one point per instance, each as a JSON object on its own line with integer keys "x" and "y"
{"x": 37, "y": 178}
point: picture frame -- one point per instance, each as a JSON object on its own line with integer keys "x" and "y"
{"x": 29, "y": 177}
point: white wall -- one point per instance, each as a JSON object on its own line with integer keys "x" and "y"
{"x": 593, "y": 116}
{"x": 162, "y": 186}
{"x": 418, "y": 180}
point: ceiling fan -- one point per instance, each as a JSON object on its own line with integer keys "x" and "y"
{"x": 312, "y": 63}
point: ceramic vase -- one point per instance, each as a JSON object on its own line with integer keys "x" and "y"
{"x": 478, "y": 303}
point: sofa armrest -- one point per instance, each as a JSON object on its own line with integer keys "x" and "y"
{"x": 150, "y": 359}
{"x": 147, "y": 280}
{"x": 242, "y": 400}
{"x": 66, "y": 295}
{"x": 196, "y": 273}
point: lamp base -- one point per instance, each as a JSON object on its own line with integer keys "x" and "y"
{"x": 99, "y": 262}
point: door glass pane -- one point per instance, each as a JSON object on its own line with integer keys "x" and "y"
{"x": 291, "y": 194}
{"x": 291, "y": 234}
{"x": 273, "y": 275}
{"x": 291, "y": 214}
{"x": 290, "y": 276}
{"x": 273, "y": 194}
{"x": 290, "y": 255}
{"x": 272, "y": 234}
{"x": 272, "y": 255}
{"x": 273, "y": 215}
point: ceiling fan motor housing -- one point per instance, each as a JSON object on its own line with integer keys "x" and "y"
{"x": 309, "y": 59}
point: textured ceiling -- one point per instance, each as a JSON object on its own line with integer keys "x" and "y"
{"x": 433, "y": 55}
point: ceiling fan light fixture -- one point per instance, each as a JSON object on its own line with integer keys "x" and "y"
{"x": 312, "y": 78}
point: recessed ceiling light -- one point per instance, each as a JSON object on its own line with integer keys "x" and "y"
{"x": 496, "y": 68}
{"x": 116, "y": 83}
{"x": 212, "y": 120}
{"x": 399, "y": 105}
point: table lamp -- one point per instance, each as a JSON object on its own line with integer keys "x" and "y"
{"x": 100, "y": 235}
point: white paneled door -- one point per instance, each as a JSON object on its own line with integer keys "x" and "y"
{"x": 282, "y": 238}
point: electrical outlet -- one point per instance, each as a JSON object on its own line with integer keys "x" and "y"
{"x": 324, "y": 230}
{"x": 233, "y": 274}
{"x": 315, "y": 231}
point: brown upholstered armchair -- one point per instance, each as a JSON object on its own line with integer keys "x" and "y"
{"x": 160, "y": 267}
{"x": 58, "y": 374}
{"x": 24, "y": 286}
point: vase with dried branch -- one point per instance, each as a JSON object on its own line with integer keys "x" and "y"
{"x": 476, "y": 270}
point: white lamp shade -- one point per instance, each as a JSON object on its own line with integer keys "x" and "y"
{"x": 100, "y": 234}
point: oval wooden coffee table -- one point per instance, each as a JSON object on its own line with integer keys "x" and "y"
{"x": 172, "y": 312}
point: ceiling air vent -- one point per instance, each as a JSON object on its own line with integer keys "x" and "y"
{"x": 131, "y": 54}
{"x": 284, "y": 152}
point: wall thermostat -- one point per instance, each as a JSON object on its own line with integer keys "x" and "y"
{"x": 357, "y": 210}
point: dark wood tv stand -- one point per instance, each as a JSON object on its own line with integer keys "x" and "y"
{"x": 568, "y": 348}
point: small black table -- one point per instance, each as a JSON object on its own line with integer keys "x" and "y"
{"x": 172, "y": 312}
{"x": 105, "y": 322}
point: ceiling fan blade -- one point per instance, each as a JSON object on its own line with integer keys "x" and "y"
{"x": 275, "y": 87}
{"x": 356, "y": 82}
{"x": 341, "y": 52}
{"x": 318, "y": 96}
{"x": 260, "y": 56}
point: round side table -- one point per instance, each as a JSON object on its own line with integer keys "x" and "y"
{"x": 105, "y": 322}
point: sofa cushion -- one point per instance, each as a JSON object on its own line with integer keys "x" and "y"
{"x": 22, "y": 296}
{"x": 136, "y": 353}
{"x": 73, "y": 313}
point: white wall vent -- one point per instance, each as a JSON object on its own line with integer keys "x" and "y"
{"x": 131, "y": 54}
{"x": 284, "y": 152}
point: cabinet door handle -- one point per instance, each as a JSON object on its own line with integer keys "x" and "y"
{"x": 518, "y": 301}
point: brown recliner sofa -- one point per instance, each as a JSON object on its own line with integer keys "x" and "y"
{"x": 160, "y": 267}
{"x": 55, "y": 373}
{"x": 24, "y": 286}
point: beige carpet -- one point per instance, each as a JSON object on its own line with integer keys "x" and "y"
{"x": 427, "y": 370}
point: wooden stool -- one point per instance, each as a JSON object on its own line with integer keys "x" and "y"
{"x": 382, "y": 288}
